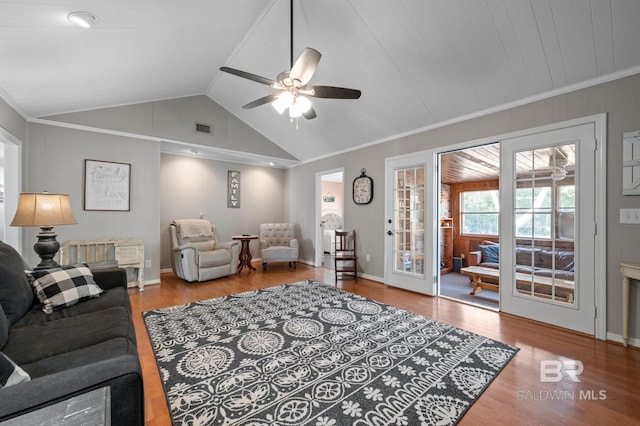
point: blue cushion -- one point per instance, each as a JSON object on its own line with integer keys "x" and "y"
{"x": 16, "y": 295}
{"x": 490, "y": 253}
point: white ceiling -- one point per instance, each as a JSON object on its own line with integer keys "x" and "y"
{"x": 419, "y": 63}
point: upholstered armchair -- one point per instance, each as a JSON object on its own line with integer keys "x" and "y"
{"x": 196, "y": 253}
{"x": 278, "y": 243}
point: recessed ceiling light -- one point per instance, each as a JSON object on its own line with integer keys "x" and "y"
{"x": 82, "y": 19}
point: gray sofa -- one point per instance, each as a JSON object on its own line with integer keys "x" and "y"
{"x": 536, "y": 261}
{"x": 89, "y": 345}
{"x": 529, "y": 260}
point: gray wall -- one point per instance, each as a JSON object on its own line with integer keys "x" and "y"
{"x": 174, "y": 119}
{"x": 197, "y": 186}
{"x": 12, "y": 122}
{"x": 620, "y": 99}
{"x": 54, "y": 161}
{"x": 47, "y": 145}
{"x": 191, "y": 186}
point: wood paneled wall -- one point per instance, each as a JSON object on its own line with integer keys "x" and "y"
{"x": 463, "y": 244}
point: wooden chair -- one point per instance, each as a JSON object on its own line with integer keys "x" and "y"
{"x": 346, "y": 255}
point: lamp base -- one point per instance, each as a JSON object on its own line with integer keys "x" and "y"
{"x": 47, "y": 246}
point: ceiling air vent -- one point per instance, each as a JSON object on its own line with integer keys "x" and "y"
{"x": 204, "y": 128}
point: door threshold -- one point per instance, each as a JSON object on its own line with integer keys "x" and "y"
{"x": 465, "y": 302}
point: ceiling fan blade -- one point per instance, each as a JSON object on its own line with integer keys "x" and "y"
{"x": 305, "y": 66}
{"x": 310, "y": 114}
{"x": 334, "y": 92}
{"x": 250, "y": 76}
{"x": 264, "y": 100}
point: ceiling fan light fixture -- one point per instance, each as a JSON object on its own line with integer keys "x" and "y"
{"x": 284, "y": 101}
{"x": 303, "y": 103}
{"x": 82, "y": 19}
{"x": 299, "y": 106}
{"x": 295, "y": 110}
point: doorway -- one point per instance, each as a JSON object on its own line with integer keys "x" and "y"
{"x": 329, "y": 214}
{"x": 468, "y": 212}
{"x": 538, "y": 225}
{"x": 11, "y": 184}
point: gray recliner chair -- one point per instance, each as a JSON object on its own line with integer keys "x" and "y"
{"x": 196, "y": 253}
{"x": 278, "y": 243}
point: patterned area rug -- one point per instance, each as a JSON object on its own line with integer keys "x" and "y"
{"x": 308, "y": 353}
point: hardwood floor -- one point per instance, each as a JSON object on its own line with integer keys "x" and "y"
{"x": 517, "y": 396}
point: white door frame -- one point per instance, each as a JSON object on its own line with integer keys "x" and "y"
{"x": 600, "y": 122}
{"x": 12, "y": 187}
{"x": 318, "y": 215}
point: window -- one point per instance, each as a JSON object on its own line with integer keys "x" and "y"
{"x": 479, "y": 211}
{"x": 535, "y": 207}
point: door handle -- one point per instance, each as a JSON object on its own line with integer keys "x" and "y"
{"x": 389, "y": 233}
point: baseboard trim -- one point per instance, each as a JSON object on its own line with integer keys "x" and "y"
{"x": 618, "y": 338}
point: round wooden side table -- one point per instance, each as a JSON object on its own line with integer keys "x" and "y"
{"x": 245, "y": 252}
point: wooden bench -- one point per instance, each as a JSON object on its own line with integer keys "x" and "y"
{"x": 478, "y": 273}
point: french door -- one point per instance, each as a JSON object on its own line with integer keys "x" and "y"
{"x": 547, "y": 231}
{"x": 409, "y": 223}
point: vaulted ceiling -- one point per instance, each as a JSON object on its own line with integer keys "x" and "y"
{"x": 419, "y": 63}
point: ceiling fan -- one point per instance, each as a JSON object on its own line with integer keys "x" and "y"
{"x": 293, "y": 91}
{"x": 560, "y": 165}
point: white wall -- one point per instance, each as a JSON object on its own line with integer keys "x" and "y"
{"x": 191, "y": 186}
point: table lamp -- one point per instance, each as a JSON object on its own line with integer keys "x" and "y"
{"x": 44, "y": 210}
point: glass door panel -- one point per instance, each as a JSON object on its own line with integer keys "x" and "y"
{"x": 544, "y": 209}
{"x": 409, "y": 242}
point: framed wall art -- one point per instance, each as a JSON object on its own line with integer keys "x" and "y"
{"x": 107, "y": 185}
{"x": 631, "y": 163}
{"x": 233, "y": 189}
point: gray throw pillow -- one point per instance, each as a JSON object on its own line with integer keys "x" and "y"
{"x": 16, "y": 295}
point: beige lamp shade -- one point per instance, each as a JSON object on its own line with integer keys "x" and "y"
{"x": 43, "y": 209}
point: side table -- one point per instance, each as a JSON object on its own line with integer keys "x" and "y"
{"x": 629, "y": 271}
{"x": 91, "y": 408}
{"x": 245, "y": 252}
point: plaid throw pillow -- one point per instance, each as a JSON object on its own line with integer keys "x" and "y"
{"x": 58, "y": 288}
{"x": 10, "y": 373}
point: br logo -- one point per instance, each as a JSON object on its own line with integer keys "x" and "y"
{"x": 553, "y": 370}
